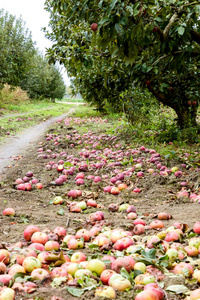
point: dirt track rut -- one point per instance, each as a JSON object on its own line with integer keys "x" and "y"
{"x": 17, "y": 145}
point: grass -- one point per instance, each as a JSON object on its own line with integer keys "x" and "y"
{"x": 159, "y": 133}
{"x": 85, "y": 111}
{"x": 29, "y": 115}
{"x": 29, "y": 106}
{"x": 169, "y": 142}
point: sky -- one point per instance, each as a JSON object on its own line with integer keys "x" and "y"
{"x": 33, "y": 14}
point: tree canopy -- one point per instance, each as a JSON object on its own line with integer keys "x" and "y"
{"x": 16, "y": 48}
{"x": 151, "y": 44}
{"x": 22, "y": 65}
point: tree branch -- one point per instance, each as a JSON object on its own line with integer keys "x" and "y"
{"x": 169, "y": 25}
{"x": 160, "y": 96}
{"x": 196, "y": 36}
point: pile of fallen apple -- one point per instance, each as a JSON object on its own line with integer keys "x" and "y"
{"x": 111, "y": 260}
{"x": 132, "y": 260}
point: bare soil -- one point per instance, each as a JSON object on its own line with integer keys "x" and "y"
{"x": 35, "y": 207}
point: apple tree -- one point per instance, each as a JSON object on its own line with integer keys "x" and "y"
{"x": 154, "y": 45}
{"x": 16, "y": 49}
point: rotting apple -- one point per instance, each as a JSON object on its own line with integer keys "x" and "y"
{"x": 106, "y": 292}
{"x": 39, "y": 274}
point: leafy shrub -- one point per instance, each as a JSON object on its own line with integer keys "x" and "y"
{"x": 11, "y": 95}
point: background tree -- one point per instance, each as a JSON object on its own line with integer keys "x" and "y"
{"x": 155, "y": 43}
{"x": 16, "y": 49}
{"x": 43, "y": 80}
{"x": 22, "y": 65}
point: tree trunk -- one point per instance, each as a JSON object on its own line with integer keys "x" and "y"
{"x": 186, "y": 116}
{"x": 187, "y": 113}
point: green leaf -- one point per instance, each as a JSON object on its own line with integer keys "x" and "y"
{"x": 181, "y": 30}
{"x": 75, "y": 291}
{"x": 136, "y": 8}
{"x": 149, "y": 254}
{"x": 61, "y": 212}
{"x": 149, "y": 69}
{"x": 104, "y": 21}
{"x": 93, "y": 246}
{"x": 127, "y": 275}
{"x": 119, "y": 29}
{"x": 197, "y": 8}
{"x": 112, "y": 5}
{"x": 178, "y": 289}
{"x": 58, "y": 281}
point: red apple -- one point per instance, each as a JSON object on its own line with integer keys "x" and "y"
{"x": 78, "y": 257}
{"x": 52, "y": 245}
{"x": 147, "y": 295}
{"x": 123, "y": 243}
{"x": 39, "y": 274}
{"x": 28, "y": 232}
{"x": 39, "y": 185}
{"x": 195, "y": 295}
{"x": 60, "y": 231}
{"x": 16, "y": 268}
{"x": 196, "y": 227}
{"x": 91, "y": 203}
{"x": 126, "y": 262}
{"x": 21, "y": 187}
{"x": 106, "y": 292}
{"x": 4, "y": 256}
{"x": 105, "y": 276}
{"x": 156, "y": 224}
{"x": 114, "y": 191}
{"x": 172, "y": 236}
{"x": 23, "y": 253}
{"x": 83, "y": 233}
{"x": 42, "y": 256}
{"x": 9, "y": 211}
{"x": 36, "y": 246}
{"x": 59, "y": 272}
{"x": 139, "y": 229}
{"x": 94, "y": 27}
{"x": 39, "y": 237}
{"x": 5, "y": 279}
{"x": 74, "y": 244}
{"x": 28, "y": 186}
{"x": 184, "y": 268}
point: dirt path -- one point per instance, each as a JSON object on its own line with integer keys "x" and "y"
{"x": 20, "y": 144}
{"x": 75, "y": 103}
